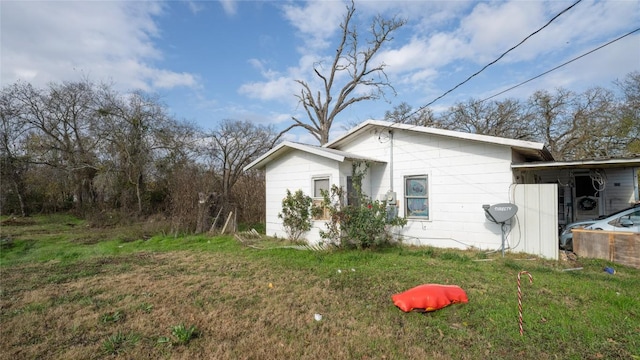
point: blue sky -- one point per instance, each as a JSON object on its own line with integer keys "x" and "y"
{"x": 216, "y": 60}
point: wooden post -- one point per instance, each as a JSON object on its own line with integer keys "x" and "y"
{"x": 215, "y": 221}
{"x": 227, "y": 222}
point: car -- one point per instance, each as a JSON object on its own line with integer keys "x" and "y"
{"x": 627, "y": 220}
{"x": 566, "y": 237}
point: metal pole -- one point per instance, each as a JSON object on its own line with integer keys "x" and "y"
{"x": 503, "y": 237}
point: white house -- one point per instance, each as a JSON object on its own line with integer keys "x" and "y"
{"x": 438, "y": 179}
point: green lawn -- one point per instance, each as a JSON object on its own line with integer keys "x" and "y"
{"x": 71, "y": 291}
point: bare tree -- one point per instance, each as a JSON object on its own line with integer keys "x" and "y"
{"x": 354, "y": 62}
{"x": 404, "y": 114}
{"x": 234, "y": 145}
{"x": 63, "y": 120}
{"x": 505, "y": 118}
{"x": 13, "y": 155}
{"x": 576, "y": 126}
{"x": 127, "y": 134}
{"x": 630, "y": 111}
{"x": 250, "y": 195}
{"x": 105, "y": 148}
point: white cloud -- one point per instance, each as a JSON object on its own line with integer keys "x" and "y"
{"x": 419, "y": 54}
{"x": 51, "y": 41}
{"x": 599, "y": 68}
{"x": 164, "y": 79}
{"x": 492, "y": 28}
{"x": 279, "y": 86}
{"x": 278, "y": 89}
{"x": 489, "y": 29}
{"x": 316, "y": 21}
{"x": 194, "y": 6}
{"x": 230, "y": 6}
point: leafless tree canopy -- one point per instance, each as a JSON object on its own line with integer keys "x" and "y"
{"x": 84, "y": 147}
{"x": 597, "y": 123}
{"x": 235, "y": 144}
{"x": 404, "y": 113}
{"x": 630, "y": 110}
{"x": 498, "y": 118}
{"x": 351, "y": 69}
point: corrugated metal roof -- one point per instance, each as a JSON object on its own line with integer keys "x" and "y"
{"x": 580, "y": 164}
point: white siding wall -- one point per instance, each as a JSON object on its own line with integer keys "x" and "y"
{"x": 463, "y": 175}
{"x": 534, "y": 228}
{"x": 619, "y": 189}
{"x": 346, "y": 169}
{"x": 294, "y": 171}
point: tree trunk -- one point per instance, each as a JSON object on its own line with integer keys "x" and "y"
{"x": 205, "y": 204}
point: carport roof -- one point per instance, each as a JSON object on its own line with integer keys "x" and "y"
{"x": 580, "y": 164}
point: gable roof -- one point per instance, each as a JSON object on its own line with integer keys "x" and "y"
{"x": 287, "y": 146}
{"x": 529, "y": 149}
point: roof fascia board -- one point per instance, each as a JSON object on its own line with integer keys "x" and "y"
{"x": 259, "y": 162}
{"x": 449, "y": 133}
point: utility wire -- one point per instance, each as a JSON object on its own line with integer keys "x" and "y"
{"x": 494, "y": 61}
{"x": 544, "y": 73}
{"x": 561, "y": 65}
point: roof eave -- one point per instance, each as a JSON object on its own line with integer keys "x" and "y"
{"x": 586, "y": 164}
{"x": 540, "y": 148}
{"x": 281, "y": 148}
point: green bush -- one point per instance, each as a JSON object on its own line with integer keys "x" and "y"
{"x": 296, "y": 214}
{"x": 363, "y": 224}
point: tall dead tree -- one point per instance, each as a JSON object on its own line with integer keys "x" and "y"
{"x": 351, "y": 69}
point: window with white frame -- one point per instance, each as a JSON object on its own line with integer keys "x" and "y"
{"x": 320, "y": 184}
{"x": 416, "y": 196}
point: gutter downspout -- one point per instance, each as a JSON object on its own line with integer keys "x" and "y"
{"x": 390, "y": 160}
{"x": 636, "y": 183}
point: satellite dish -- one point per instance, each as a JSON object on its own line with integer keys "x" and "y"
{"x": 500, "y": 213}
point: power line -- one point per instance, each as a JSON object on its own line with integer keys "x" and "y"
{"x": 561, "y": 65}
{"x": 494, "y": 61}
{"x": 548, "y": 71}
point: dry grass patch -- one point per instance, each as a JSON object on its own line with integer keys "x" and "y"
{"x": 240, "y": 308}
{"x": 212, "y": 298}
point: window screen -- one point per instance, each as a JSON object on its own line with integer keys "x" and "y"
{"x": 416, "y": 193}
{"x": 320, "y": 184}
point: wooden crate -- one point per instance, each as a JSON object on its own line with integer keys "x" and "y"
{"x": 619, "y": 247}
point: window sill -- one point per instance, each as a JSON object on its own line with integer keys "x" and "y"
{"x": 418, "y": 219}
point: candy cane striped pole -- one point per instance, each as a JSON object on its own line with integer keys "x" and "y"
{"x": 520, "y": 298}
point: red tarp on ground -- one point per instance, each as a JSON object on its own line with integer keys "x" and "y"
{"x": 429, "y": 297}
